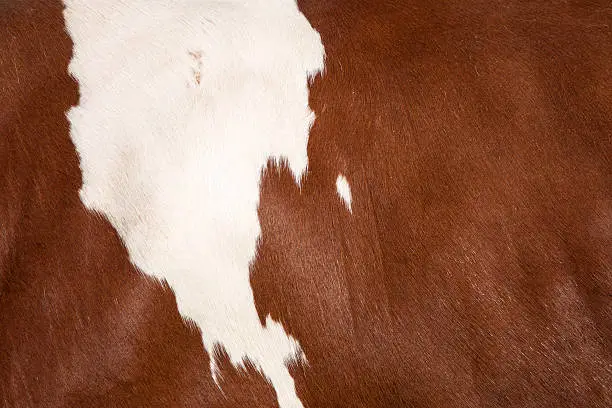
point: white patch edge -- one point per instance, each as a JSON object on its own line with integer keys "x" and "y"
{"x": 180, "y": 109}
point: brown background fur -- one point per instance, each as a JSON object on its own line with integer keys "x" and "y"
{"x": 474, "y": 271}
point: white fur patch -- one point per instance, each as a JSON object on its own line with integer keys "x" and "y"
{"x": 182, "y": 103}
{"x": 344, "y": 191}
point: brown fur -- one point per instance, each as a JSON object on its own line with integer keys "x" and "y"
{"x": 474, "y": 271}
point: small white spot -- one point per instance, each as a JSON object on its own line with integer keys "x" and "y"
{"x": 344, "y": 191}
